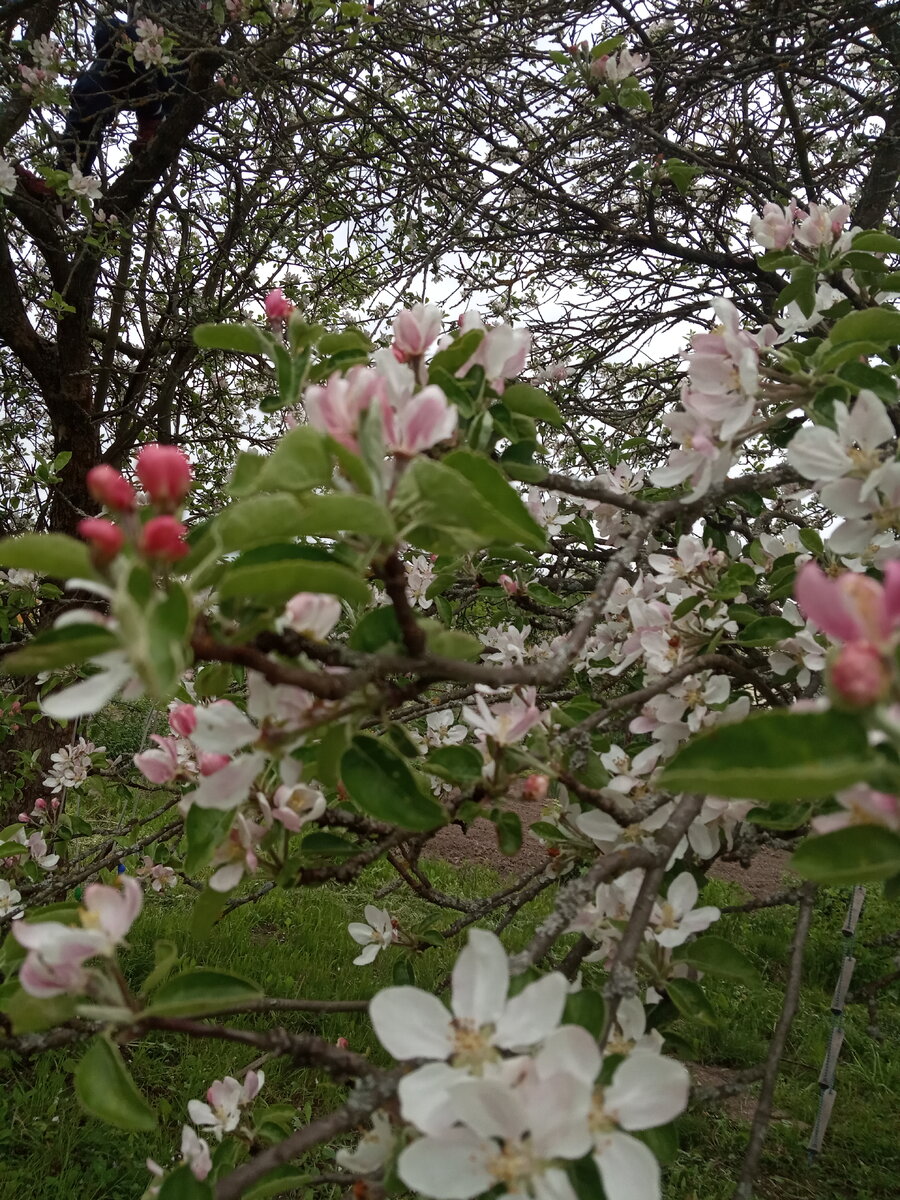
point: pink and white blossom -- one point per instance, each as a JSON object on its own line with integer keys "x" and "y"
{"x": 225, "y": 1101}
{"x": 861, "y": 805}
{"x": 507, "y": 722}
{"x": 312, "y": 614}
{"x": 416, "y": 328}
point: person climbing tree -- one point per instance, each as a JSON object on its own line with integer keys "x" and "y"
{"x": 133, "y": 72}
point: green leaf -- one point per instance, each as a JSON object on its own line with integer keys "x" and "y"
{"x": 857, "y": 854}
{"x": 802, "y": 289}
{"x": 881, "y": 326}
{"x": 277, "y": 517}
{"x": 66, "y": 647}
{"x": 780, "y": 814}
{"x": 328, "y": 845}
{"x": 275, "y": 1183}
{"x": 34, "y": 1014}
{"x": 205, "y": 829}
{"x": 258, "y": 521}
{"x": 432, "y": 499}
{"x": 681, "y": 173}
{"x": 213, "y": 679}
{"x": 48, "y": 554}
{"x": 871, "y": 239}
{"x": 736, "y": 578}
{"x": 243, "y": 339}
{"x": 457, "y": 354}
{"x": 457, "y": 764}
{"x": 201, "y": 991}
{"x": 165, "y": 955}
{"x": 208, "y": 907}
{"x": 300, "y": 461}
{"x": 662, "y": 1140}
{"x": 509, "y": 832}
{"x": 811, "y": 540}
{"x": 861, "y": 375}
{"x": 382, "y": 785}
{"x": 272, "y": 583}
{"x": 585, "y": 1008}
{"x": 717, "y": 956}
{"x": 349, "y": 339}
{"x": 766, "y": 631}
{"x": 488, "y": 479}
{"x": 376, "y": 630}
{"x": 106, "y": 1090}
{"x": 691, "y": 1001}
{"x": 181, "y": 1185}
{"x": 455, "y": 643}
{"x": 533, "y": 402}
{"x": 775, "y": 756}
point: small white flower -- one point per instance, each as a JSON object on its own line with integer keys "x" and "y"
{"x": 225, "y": 1098}
{"x": 84, "y": 185}
{"x": 10, "y": 899}
{"x": 374, "y": 1148}
{"x": 675, "y": 919}
{"x": 8, "y": 178}
{"x": 374, "y": 936}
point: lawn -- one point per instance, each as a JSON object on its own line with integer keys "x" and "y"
{"x": 296, "y": 944}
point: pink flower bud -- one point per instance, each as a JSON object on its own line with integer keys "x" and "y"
{"x": 209, "y": 763}
{"x": 105, "y": 538}
{"x": 859, "y": 675}
{"x": 54, "y": 804}
{"x": 342, "y": 1043}
{"x": 165, "y": 473}
{"x": 183, "y": 720}
{"x": 40, "y": 803}
{"x": 312, "y": 614}
{"x": 416, "y": 328}
{"x": 24, "y": 818}
{"x": 163, "y": 538}
{"x": 535, "y": 788}
{"x": 278, "y": 307}
{"x": 111, "y": 489}
{"x": 16, "y": 706}
{"x": 508, "y": 584}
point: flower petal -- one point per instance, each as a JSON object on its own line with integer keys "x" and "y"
{"x": 228, "y": 787}
{"x": 533, "y": 1013}
{"x": 425, "y": 1097}
{"x": 452, "y": 1167}
{"x": 647, "y": 1090}
{"x": 481, "y": 979}
{"x": 628, "y": 1169}
{"x": 411, "y": 1023}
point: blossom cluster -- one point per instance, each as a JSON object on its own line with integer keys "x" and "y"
{"x": 508, "y": 1096}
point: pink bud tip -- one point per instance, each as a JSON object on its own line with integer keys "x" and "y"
{"x": 342, "y": 1043}
{"x": 183, "y": 720}
{"x": 859, "y": 675}
{"x": 165, "y": 473}
{"x": 111, "y": 489}
{"x": 278, "y": 307}
{"x": 536, "y": 787}
{"x": 163, "y": 538}
{"x": 40, "y": 803}
{"x": 508, "y": 584}
{"x": 24, "y": 818}
{"x": 105, "y": 538}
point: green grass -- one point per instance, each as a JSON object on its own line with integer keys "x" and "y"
{"x": 296, "y": 944}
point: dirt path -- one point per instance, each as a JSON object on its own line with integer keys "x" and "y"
{"x": 478, "y": 844}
